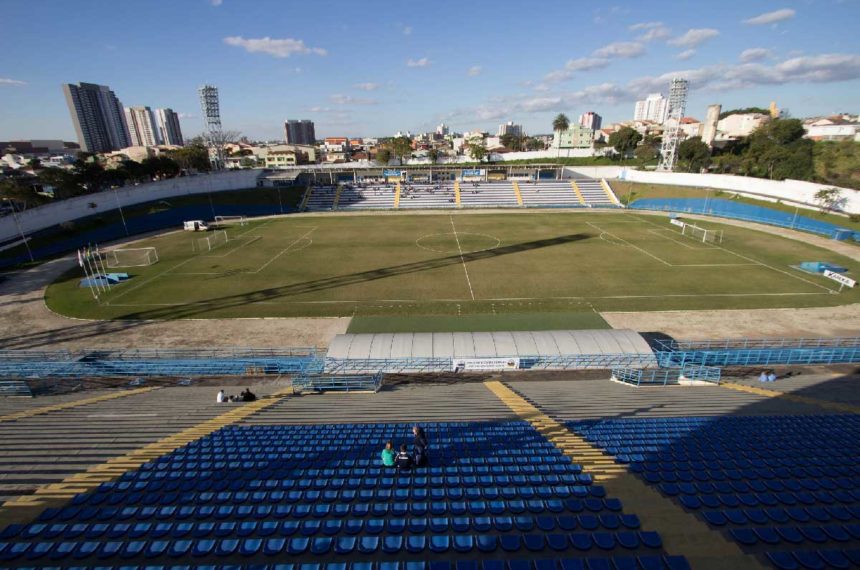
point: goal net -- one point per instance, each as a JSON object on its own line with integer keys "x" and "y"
{"x": 131, "y": 257}
{"x": 702, "y": 234}
{"x": 209, "y": 243}
{"x": 231, "y": 220}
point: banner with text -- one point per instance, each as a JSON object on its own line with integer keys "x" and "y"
{"x": 484, "y": 364}
{"x": 839, "y": 278}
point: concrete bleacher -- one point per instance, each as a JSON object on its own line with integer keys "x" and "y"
{"x": 298, "y": 484}
{"x": 373, "y": 197}
{"x": 436, "y": 195}
{"x": 321, "y": 198}
{"x": 594, "y": 194}
{"x": 551, "y": 193}
{"x": 488, "y": 195}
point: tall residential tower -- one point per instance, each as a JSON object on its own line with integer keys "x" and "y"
{"x": 299, "y": 132}
{"x": 168, "y": 127}
{"x": 98, "y": 117}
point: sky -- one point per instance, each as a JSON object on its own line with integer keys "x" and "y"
{"x": 374, "y": 68}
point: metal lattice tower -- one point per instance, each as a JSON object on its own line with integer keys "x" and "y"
{"x": 211, "y": 120}
{"x": 672, "y": 124}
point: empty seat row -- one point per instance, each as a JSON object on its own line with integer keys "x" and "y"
{"x": 647, "y": 562}
{"x": 796, "y": 535}
{"x": 330, "y": 527}
{"x": 596, "y": 502}
{"x": 344, "y": 545}
{"x": 695, "y": 502}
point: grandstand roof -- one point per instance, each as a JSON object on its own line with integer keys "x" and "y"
{"x": 487, "y": 344}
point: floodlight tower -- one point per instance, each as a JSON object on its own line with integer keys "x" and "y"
{"x": 672, "y": 124}
{"x": 212, "y": 122}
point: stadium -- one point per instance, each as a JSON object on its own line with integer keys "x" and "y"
{"x": 590, "y": 352}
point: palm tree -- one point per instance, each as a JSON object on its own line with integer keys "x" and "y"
{"x": 560, "y": 124}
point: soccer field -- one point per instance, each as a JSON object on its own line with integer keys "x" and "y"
{"x": 460, "y": 265}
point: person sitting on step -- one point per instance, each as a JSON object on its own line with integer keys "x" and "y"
{"x": 388, "y": 455}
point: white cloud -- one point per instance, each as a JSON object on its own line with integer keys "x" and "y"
{"x": 620, "y": 50}
{"x": 686, "y": 54}
{"x": 755, "y": 54}
{"x": 340, "y": 99}
{"x": 407, "y": 30}
{"x": 275, "y": 47}
{"x": 771, "y": 17}
{"x": 823, "y": 68}
{"x": 574, "y": 65}
{"x": 12, "y": 82}
{"x": 474, "y": 71}
{"x": 693, "y": 37}
{"x": 651, "y": 31}
{"x": 321, "y": 110}
{"x": 423, "y": 62}
{"x": 367, "y": 86}
{"x": 185, "y": 115}
{"x": 216, "y": 2}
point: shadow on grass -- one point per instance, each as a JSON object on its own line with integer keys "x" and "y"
{"x": 190, "y": 310}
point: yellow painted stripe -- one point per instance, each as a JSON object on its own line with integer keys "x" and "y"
{"x": 457, "y": 192}
{"x": 74, "y": 404}
{"x": 336, "y": 197}
{"x": 26, "y": 508}
{"x": 609, "y": 193}
{"x": 826, "y": 404}
{"x": 397, "y": 195}
{"x": 576, "y": 190}
{"x": 682, "y": 532}
{"x": 517, "y": 192}
{"x": 307, "y": 198}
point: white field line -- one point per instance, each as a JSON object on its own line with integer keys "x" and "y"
{"x": 285, "y": 250}
{"x": 460, "y": 249}
{"x": 757, "y": 262}
{"x": 150, "y": 280}
{"x": 660, "y": 233}
{"x": 649, "y": 254}
{"x": 251, "y": 239}
{"x": 584, "y": 299}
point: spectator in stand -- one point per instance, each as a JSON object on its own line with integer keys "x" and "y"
{"x": 763, "y": 376}
{"x": 403, "y": 461}
{"x": 221, "y": 397}
{"x": 248, "y": 396}
{"x": 419, "y": 447}
{"x": 388, "y": 455}
{"x": 771, "y": 376}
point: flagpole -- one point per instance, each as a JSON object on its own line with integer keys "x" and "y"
{"x": 102, "y": 262}
{"x": 86, "y": 275}
{"x": 88, "y": 260}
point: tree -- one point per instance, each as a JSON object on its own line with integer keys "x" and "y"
{"x": 477, "y": 150}
{"x": 64, "y": 182}
{"x": 401, "y": 146}
{"x": 624, "y": 140}
{"x": 512, "y": 141}
{"x": 20, "y": 192}
{"x": 830, "y": 199}
{"x": 433, "y": 154}
{"x": 744, "y": 111}
{"x": 777, "y": 150}
{"x": 646, "y": 153}
{"x": 218, "y": 141}
{"x": 383, "y": 155}
{"x": 534, "y": 144}
{"x": 560, "y": 124}
{"x": 693, "y": 155}
{"x": 34, "y": 163}
{"x": 193, "y": 156}
{"x": 160, "y": 167}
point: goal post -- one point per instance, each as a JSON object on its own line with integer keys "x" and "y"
{"x": 240, "y": 220}
{"x": 218, "y": 238}
{"x": 701, "y": 234}
{"x": 131, "y": 257}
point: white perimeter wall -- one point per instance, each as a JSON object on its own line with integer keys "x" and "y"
{"x": 794, "y": 191}
{"x": 49, "y": 215}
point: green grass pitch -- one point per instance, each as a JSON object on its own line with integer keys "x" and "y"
{"x": 477, "y": 268}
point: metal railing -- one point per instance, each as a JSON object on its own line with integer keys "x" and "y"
{"x": 647, "y": 376}
{"x": 325, "y": 383}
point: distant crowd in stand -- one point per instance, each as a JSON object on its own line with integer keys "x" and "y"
{"x": 245, "y": 396}
{"x": 404, "y": 461}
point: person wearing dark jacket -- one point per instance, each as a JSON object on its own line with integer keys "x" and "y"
{"x": 403, "y": 461}
{"x": 419, "y": 447}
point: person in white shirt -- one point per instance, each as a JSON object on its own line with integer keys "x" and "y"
{"x": 221, "y": 398}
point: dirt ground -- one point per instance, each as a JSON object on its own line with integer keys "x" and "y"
{"x": 26, "y": 322}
